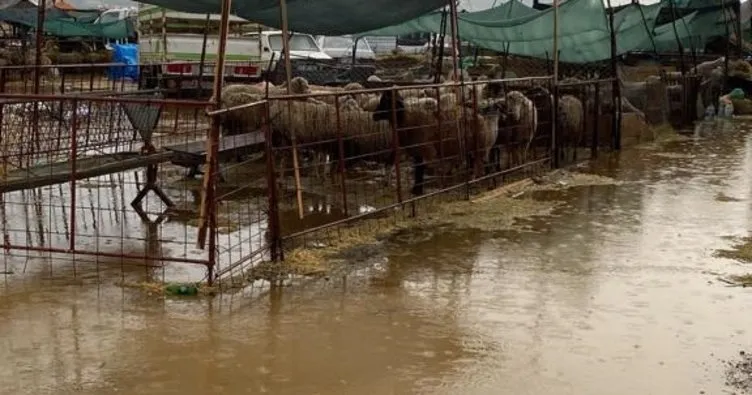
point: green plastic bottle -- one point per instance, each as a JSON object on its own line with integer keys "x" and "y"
{"x": 182, "y": 289}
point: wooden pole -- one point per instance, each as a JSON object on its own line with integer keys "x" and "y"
{"x": 554, "y": 140}
{"x": 208, "y": 215}
{"x": 288, "y": 78}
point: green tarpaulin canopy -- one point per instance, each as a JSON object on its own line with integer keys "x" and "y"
{"x": 62, "y": 23}
{"x": 584, "y": 31}
{"x": 327, "y": 17}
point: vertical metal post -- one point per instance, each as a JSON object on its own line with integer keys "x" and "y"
{"x": 202, "y": 60}
{"x": 679, "y": 45}
{"x": 738, "y": 25}
{"x": 596, "y": 128}
{"x": 164, "y": 35}
{"x": 73, "y": 159}
{"x": 273, "y": 215}
{"x": 555, "y": 104}
{"x": 41, "y": 10}
{"x": 455, "y": 40}
{"x": 341, "y": 155}
{"x": 396, "y": 147}
{"x": 615, "y": 85}
{"x": 208, "y": 215}
{"x": 441, "y": 137}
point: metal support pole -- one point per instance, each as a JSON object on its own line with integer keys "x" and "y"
{"x": 615, "y": 85}
{"x": 554, "y": 118}
{"x": 208, "y": 215}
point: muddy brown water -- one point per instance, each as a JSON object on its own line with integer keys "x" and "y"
{"x": 615, "y": 293}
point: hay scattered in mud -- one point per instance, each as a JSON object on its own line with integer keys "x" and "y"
{"x": 743, "y": 280}
{"x": 498, "y": 213}
{"x": 662, "y": 134}
{"x": 722, "y": 197}
{"x": 739, "y": 373}
{"x": 672, "y": 155}
{"x": 741, "y": 251}
{"x": 494, "y": 211}
{"x": 319, "y": 259}
{"x": 564, "y": 179}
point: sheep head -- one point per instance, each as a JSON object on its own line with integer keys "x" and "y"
{"x": 383, "y": 111}
{"x": 497, "y": 107}
{"x": 516, "y": 103}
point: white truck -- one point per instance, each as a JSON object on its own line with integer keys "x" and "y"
{"x": 171, "y": 60}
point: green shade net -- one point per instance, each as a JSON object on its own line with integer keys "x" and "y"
{"x": 583, "y": 29}
{"x": 62, "y": 23}
{"x": 327, "y": 17}
{"x": 693, "y": 30}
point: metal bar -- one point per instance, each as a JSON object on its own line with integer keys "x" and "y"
{"x": 102, "y": 99}
{"x": 102, "y": 254}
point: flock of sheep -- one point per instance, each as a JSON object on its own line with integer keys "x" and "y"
{"x": 428, "y": 123}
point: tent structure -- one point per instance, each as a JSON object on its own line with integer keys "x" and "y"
{"x": 326, "y": 17}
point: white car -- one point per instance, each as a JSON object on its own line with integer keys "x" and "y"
{"x": 341, "y": 47}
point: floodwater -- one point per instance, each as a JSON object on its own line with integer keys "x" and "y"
{"x": 614, "y": 294}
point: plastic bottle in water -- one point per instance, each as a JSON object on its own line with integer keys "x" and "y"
{"x": 710, "y": 112}
{"x": 728, "y": 109}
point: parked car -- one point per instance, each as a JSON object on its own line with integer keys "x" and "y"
{"x": 341, "y": 47}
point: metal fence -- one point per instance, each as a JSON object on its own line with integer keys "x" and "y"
{"x": 100, "y": 173}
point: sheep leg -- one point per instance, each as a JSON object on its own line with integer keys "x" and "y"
{"x": 388, "y": 169}
{"x": 193, "y": 171}
{"x": 281, "y": 177}
{"x": 419, "y": 173}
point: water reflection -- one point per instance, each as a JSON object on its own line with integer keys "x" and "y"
{"x": 607, "y": 296}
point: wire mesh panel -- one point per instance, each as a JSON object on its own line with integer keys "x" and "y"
{"x": 92, "y": 182}
{"x": 343, "y": 154}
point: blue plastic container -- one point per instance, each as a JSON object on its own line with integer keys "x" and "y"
{"x": 125, "y": 54}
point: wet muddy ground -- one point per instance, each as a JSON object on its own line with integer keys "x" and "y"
{"x": 616, "y": 291}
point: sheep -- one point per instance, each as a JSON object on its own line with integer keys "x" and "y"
{"x": 569, "y": 120}
{"x": 518, "y": 125}
{"x": 416, "y": 129}
{"x": 311, "y": 122}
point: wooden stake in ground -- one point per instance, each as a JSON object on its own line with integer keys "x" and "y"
{"x": 288, "y": 78}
